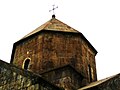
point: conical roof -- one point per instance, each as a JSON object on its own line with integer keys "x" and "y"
{"x": 53, "y": 25}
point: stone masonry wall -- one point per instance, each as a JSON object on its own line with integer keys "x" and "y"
{"x": 112, "y": 84}
{"x": 12, "y": 78}
{"x": 50, "y": 49}
{"x": 65, "y": 76}
{"x": 88, "y": 59}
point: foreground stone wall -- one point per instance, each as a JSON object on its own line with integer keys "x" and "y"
{"x": 12, "y": 78}
{"x": 112, "y": 84}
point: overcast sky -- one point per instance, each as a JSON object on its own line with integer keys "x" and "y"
{"x": 98, "y": 20}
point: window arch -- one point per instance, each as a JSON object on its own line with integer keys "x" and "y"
{"x": 26, "y": 64}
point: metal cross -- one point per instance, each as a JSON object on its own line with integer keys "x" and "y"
{"x": 53, "y": 9}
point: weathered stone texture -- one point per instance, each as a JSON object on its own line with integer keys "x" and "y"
{"x": 50, "y": 49}
{"x": 52, "y": 45}
{"x": 65, "y": 76}
{"x": 88, "y": 58}
{"x": 112, "y": 84}
{"x": 13, "y": 78}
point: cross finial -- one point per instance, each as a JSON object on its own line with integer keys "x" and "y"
{"x": 53, "y": 9}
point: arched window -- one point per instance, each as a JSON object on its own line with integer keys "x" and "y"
{"x": 26, "y": 64}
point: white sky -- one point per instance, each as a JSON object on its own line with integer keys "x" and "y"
{"x": 98, "y": 20}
